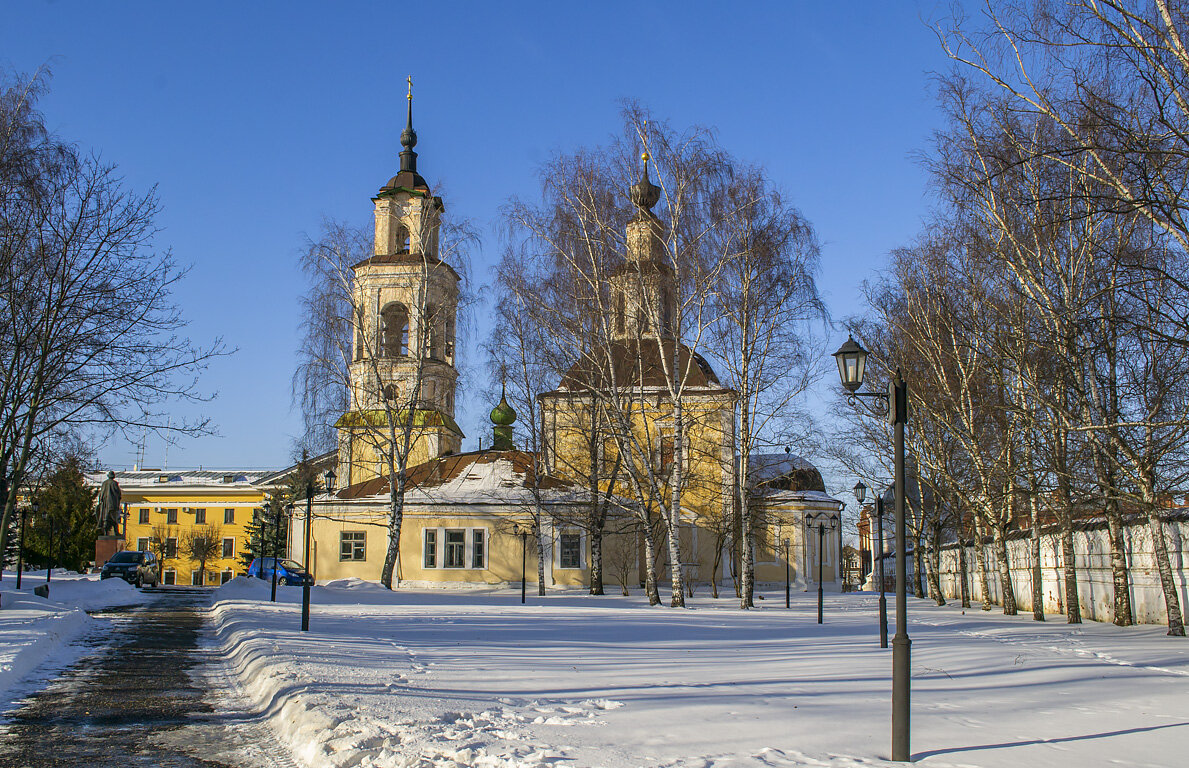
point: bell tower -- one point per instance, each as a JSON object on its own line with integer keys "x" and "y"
{"x": 403, "y": 356}
{"x": 643, "y": 294}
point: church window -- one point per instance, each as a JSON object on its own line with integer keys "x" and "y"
{"x": 620, "y": 315}
{"x": 430, "y": 551}
{"x": 359, "y": 343}
{"x": 389, "y": 391}
{"x": 664, "y": 454}
{"x": 402, "y": 239}
{"x": 450, "y": 340}
{"x": 478, "y": 551}
{"x": 427, "y": 391}
{"x": 352, "y": 545}
{"x": 456, "y": 544}
{"x": 435, "y": 332}
{"x": 570, "y": 550}
{"x": 395, "y": 321}
{"x": 607, "y": 456}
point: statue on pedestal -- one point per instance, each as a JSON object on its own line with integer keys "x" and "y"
{"x": 108, "y": 514}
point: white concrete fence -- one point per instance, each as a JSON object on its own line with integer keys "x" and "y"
{"x": 1093, "y": 567}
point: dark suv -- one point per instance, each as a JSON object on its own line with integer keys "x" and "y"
{"x": 136, "y": 568}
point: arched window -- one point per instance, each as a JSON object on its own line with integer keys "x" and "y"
{"x": 450, "y": 340}
{"x": 435, "y": 332}
{"x": 389, "y": 391}
{"x": 395, "y": 321}
{"x": 402, "y": 239}
{"x": 359, "y": 343}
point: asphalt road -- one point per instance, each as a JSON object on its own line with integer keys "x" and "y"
{"x": 131, "y": 700}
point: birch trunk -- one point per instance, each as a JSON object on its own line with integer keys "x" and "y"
{"x": 1038, "y": 611}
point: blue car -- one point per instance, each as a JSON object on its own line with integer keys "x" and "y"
{"x": 288, "y": 572}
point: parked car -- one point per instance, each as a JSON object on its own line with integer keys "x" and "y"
{"x": 136, "y": 568}
{"x": 288, "y": 572}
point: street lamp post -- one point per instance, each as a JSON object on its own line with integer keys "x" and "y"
{"x": 523, "y": 534}
{"x": 21, "y": 543}
{"x": 861, "y": 496}
{"x": 821, "y": 521}
{"x": 852, "y": 360}
{"x": 305, "y": 583}
{"x": 329, "y": 478}
{"x": 275, "y": 507}
{"x": 787, "y": 580}
{"x": 50, "y": 551}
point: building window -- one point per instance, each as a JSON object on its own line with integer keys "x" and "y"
{"x": 226, "y": 576}
{"x": 170, "y": 576}
{"x": 430, "y": 558}
{"x": 200, "y": 517}
{"x": 171, "y": 517}
{"x": 402, "y": 239}
{"x": 456, "y": 547}
{"x": 664, "y": 453}
{"x": 351, "y": 545}
{"x": 570, "y": 550}
{"x": 229, "y": 546}
{"x": 478, "y": 550}
{"x": 394, "y": 324}
{"x": 142, "y": 544}
{"x": 228, "y": 516}
{"x": 144, "y": 516}
{"x": 171, "y": 547}
{"x": 196, "y": 578}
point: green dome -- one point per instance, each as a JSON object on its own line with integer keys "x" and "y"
{"x": 503, "y": 414}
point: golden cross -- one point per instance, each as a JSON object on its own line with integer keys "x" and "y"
{"x": 410, "y": 79}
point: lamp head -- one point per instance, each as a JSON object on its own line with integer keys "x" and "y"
{"x": 860, "y": 491}
{"x": 852, "y": 362}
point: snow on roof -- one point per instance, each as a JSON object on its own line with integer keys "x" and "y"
{"x": 765, "y": 466}
{"x": 154, "y": 477}
{"x": 504, "y": 477}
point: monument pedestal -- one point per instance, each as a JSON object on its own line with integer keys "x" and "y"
{"x": 105, "y": 547}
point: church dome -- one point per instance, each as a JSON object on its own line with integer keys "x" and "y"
{"x": 503, "y": 415}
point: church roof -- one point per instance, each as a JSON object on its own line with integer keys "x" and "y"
{"x": 784, "y": 472}
{"x": 472, "y": 476}
{"x": 377, "y": 418}
{"x": 406, "y": 257}
{"x": 639, "y": 363}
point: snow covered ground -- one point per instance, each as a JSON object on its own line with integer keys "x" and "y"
{"x": 34, "y": 630}
{"x": 446, "y": 678}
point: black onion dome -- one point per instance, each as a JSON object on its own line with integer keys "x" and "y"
{"x": 644, "y": 193}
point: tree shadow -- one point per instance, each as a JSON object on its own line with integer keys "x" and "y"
{"x": 1033, "y": 742}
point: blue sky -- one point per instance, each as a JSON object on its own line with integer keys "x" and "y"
{"x": 256, "y": 120}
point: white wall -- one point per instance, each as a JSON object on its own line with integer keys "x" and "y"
{"x": 1092, "y": 562}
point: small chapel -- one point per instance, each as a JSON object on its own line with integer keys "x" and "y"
{"x": 467, "y": 515}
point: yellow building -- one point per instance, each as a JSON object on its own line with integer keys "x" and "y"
{"x": 464, "y": 513}
{"x": 163, "y": 508}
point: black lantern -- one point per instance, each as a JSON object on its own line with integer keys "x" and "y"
{"x": 329, "y": 478}
{"x": 852, "y": 362}
{"x": 860, "y": 492}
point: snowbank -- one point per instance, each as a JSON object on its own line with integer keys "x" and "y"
{"x": 444, "y": 679}
{"x": 34, "y": 630}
